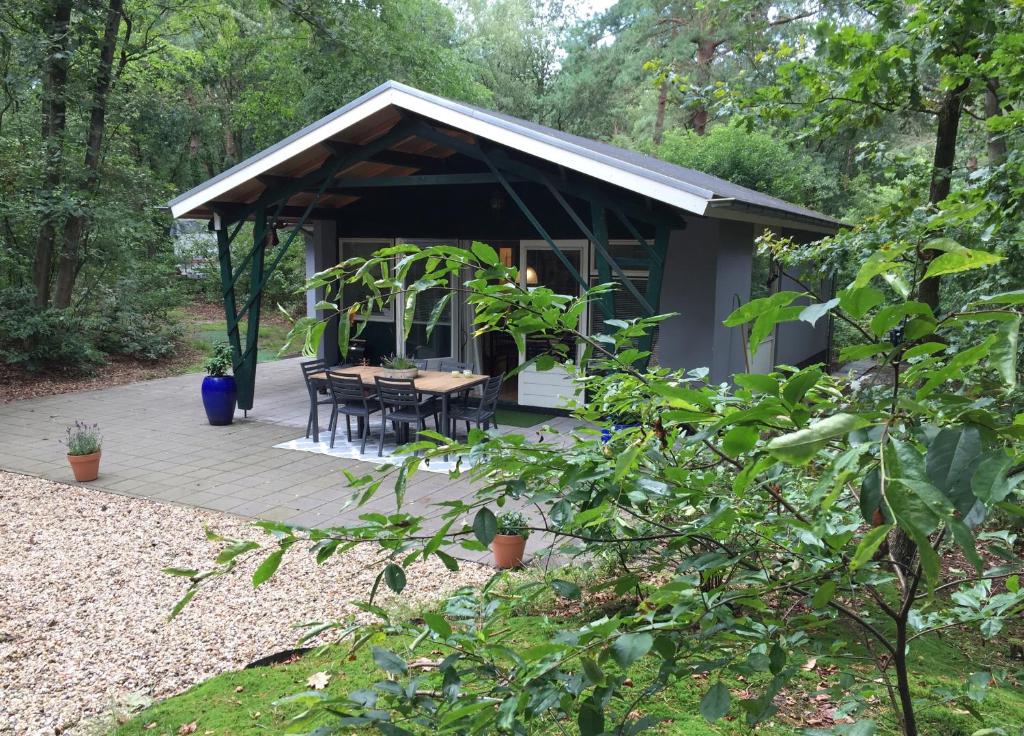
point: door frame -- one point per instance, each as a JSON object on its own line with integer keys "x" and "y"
{"x": 580, "y": 245}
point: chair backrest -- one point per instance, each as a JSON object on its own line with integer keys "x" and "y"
{"x": 446, "y": 365}
{"x": 420, "y": 363}
{"x": 310, "y": 367}
{"x": 346, "y": 388}
{"x": 492, "y": 390}
{"x": 397, "y": 392}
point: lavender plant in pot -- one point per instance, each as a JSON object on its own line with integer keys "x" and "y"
{"x": 509, "y": 542}
{"x": 83, "y": 445}
{"x": 219, "y": 389}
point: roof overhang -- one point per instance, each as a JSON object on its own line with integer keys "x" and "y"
{"x": 390, "y": 98}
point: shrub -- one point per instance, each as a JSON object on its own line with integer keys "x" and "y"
{"x": 40, "y": 339}
{"x": 513, "y": 523}
{"x": 220, "y": 362}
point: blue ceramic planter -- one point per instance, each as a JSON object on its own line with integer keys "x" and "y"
{"x": 219, "y": 395}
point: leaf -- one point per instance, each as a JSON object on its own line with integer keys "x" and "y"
{"x": 756, "y": 307}
{"x": 628, "y": 648}
{"x": 394, "y": 576}
{"x": 485, "y": 253}
{"x": 952, "y": 456}
{"x": 318, "y": 680}
{"x": 858, "y": 301}
{"x": 811, "y": 314}
{"x": 989, "y": 482}
{"x": 824, "y": 594}
{"x": 591, "y": 717}
{"x": 1003, "y": 352}
{"x": 566, "y": 589}
{"x": 868, "y": 545}
{"x": 267, "y": 568}
{"x": 715, "y": 702}
{"x": 739, "y": 440}
{"x": 797, "y": 386}
{"x": 958, "y": 261}
{"x": 438, "y": 624}
{"x": 485, "y": 526}
{"x": 235, "y": 549}
{"x": 965, "y": 541}
{"x": 389, "y": 661}
{"x": 593, "y": 671}
{"x": 180, "y": 572}
{"x": 796, "y": 448}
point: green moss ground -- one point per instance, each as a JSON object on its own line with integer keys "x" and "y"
{"x": 242, "y": 702}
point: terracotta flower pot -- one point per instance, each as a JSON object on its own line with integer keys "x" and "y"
{"x": 85, "y": 467}
{"x": 508, "y": 550}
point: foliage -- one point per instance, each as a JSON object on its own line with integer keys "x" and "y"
{"x": 47, "y": 339}
{"x": 220, "y": 361}
{"x": 756, "y": 160}
{"x": 397, "y": 363}
{"x": 737, "y": 523}
{"x": 83, "y": 439}
{"x": 513, "y": 523}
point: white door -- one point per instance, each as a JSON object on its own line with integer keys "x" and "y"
{"x": 540, "y": 266}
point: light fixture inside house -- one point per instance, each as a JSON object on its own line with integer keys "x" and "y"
{"x": 531, "y": 276}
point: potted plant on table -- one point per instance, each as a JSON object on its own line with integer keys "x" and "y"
{"x": 398, "y": 367}
{"x": 219, "y": 389}
{"x": 509, "y": 542}
{"x": 83, "y": 445}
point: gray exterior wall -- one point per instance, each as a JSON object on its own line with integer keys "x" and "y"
{"x": 707, "y": 269}
{"x": 321, "y": 253}
{"x": 797, "y": 343}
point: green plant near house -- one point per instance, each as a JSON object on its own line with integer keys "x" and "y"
{"x": 737, "y": 527}
{"x": 513, "y": 523}
{"x": 397, "y": 363}
{"x": 83, "y": 439}
{"x": 220, "y": 362}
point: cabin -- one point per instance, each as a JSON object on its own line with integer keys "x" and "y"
{"x": 399, "y": 165}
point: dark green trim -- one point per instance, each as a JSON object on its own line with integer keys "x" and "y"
{"x": 327, "y": 171}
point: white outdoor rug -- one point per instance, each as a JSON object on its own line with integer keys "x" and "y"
{"x": 350, "y": 450}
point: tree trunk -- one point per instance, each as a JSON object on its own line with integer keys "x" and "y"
{"x": 74, "y": 228}
{"x": 907, "y": 717}
{"x": 659, "y": 117}
{"x": 942, "y": 173}
{"x": 55, "y": 20}
{"x": 997, "y": 149}
{"x": 705, "y": 55}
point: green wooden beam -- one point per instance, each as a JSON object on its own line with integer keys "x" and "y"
{"x": 573, "y": 271}
{"x": 342, "y": 184}
{"x": 529, "y": 173}
{"x": 600, "y": 228}
{"x": 600, "y": 244}
{"x": 651, "y": 250}
{"x": 245, "y": 371}
{"x": 285, "y": 191}
{"x": 224, "y": 256}
{"x": 655, "y": 277}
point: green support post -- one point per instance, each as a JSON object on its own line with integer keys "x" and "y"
{"x": 245, "y": 371}
{"x": 655, "y": 276}
{"x": 230, "y": 316}
{"x": 599, "y": 225}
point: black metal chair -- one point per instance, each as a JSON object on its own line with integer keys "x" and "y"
{"x": 402, "y": 405}
{"x": 310, "y": 367}
{"x": 483, "y": 412}
{"x": 352, "y": 400}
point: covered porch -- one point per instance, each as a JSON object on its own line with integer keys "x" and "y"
{"x": 398, "y": 165}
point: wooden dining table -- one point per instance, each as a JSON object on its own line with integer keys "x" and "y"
{"x": 431, "y": 383}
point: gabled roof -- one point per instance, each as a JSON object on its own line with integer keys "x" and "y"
{"x": 686, "y": 189}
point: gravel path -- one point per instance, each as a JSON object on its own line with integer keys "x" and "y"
{"x": 83, "y": 618}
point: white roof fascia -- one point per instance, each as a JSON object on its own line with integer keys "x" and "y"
{"x": 276, "y": 158}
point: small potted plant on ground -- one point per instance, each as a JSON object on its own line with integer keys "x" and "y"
{"x": 219, "y": 389}
{"x": 399, "y": 367}
{"x": 510, "y": 540}
{"x": 83, "y": 445}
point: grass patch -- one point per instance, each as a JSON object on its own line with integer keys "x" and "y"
{"x": 516, "y": 418}
{"x": 203, "y": 335}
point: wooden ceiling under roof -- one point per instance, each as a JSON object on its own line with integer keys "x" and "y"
{"x": 410, "y": 156}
